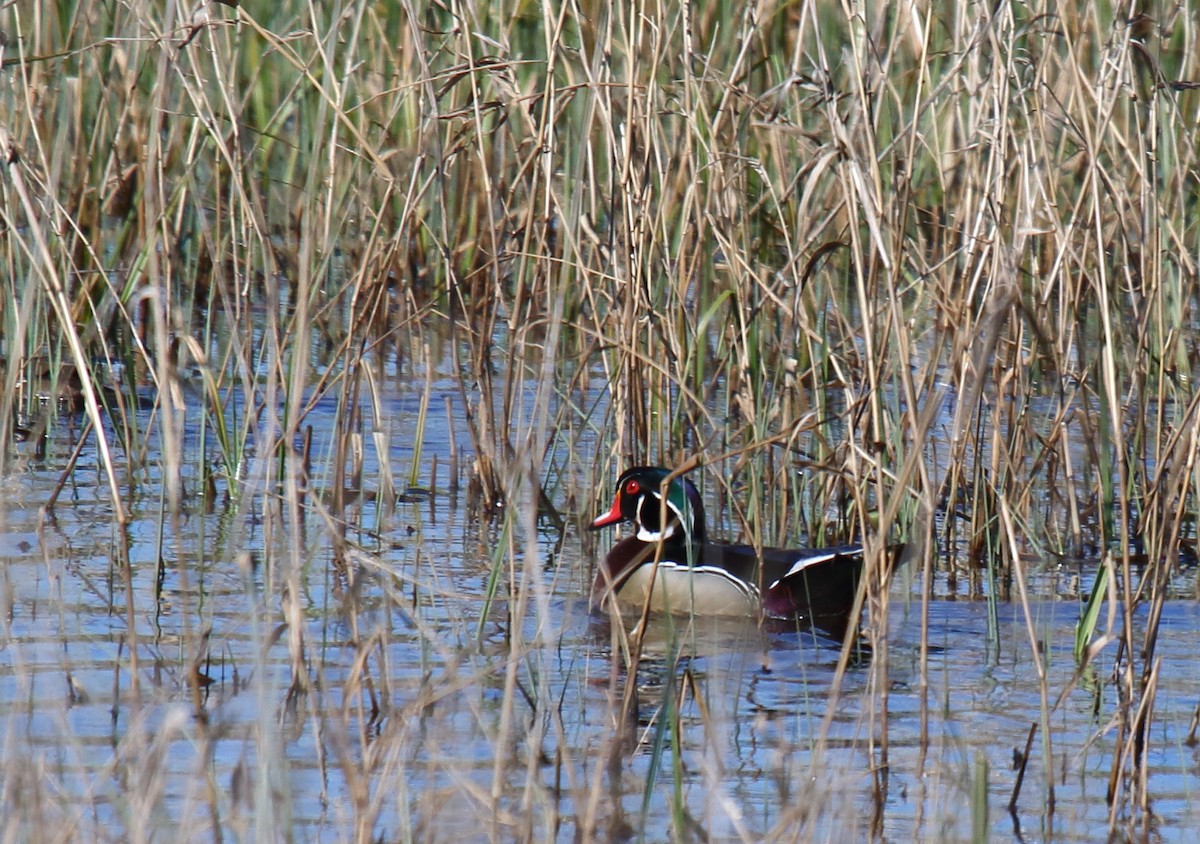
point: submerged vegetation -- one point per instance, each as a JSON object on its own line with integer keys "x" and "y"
{"x": 894, "y": 271}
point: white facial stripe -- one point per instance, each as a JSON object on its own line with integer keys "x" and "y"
{"x": 653, "y": 499}
{"x": 647, "y": 535}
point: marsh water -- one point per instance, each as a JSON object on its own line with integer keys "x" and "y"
{"x": 419, "y": 720}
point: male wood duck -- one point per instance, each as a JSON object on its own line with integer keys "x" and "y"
{"x": 694, "y": 575}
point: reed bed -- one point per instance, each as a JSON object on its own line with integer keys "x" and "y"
{"x": 889, "y": 270}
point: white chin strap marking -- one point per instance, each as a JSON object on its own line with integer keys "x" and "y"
{"x": 644, "y": 533}
{"x": 647, "y": 535}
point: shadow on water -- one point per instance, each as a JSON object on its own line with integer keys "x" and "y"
{"x": 702, "y": 675}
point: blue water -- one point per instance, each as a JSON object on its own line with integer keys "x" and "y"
{"x": 435, "y": 713}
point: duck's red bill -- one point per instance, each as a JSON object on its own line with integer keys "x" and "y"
{"x": 611, "y": 517}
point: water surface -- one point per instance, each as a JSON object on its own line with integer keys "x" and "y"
{"x": 416, "y": 707}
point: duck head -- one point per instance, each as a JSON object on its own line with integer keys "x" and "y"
{"x": 639, "y": 499}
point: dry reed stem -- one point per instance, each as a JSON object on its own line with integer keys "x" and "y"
{"x": 870, "y": 264}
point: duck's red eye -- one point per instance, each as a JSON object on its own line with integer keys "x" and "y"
{"x": 632, "y": 487}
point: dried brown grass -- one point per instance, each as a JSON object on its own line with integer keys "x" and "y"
{"x": 884, "y": 274}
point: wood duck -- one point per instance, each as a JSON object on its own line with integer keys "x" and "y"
{"x": 818, "y": 585}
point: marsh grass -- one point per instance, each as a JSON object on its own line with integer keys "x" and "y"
{"x": 883, "y": 274}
